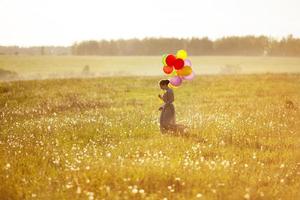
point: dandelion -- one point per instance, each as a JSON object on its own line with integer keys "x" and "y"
{"x": 199, "y": 195}
{"x": 134, "y": 190}
{"x": 247, "y": 196}
{"x": 141, "y": 191}
{"x": 69, "y": 185}
{"x": 78, "y": 191}
{"x": 7, "y": 166}
{"x": 177, "y": 179}
{"x": 90, "y": 195}
{"x": 108, "y": 154}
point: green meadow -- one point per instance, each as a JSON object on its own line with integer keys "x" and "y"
{"x": 99, "y": 138}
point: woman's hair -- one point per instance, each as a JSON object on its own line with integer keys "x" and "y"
{"x": 164, "y": 82}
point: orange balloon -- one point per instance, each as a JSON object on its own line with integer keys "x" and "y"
{"x": 185, "y": 71}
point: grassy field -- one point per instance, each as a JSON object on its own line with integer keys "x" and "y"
{"x": 99, "y": 138}
{"x": 37, "y": 67}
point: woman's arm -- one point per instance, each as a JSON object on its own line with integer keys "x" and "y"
{"x": 169, "y": 97}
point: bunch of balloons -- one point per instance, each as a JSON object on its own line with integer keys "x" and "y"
{"x": 178, "y": 67}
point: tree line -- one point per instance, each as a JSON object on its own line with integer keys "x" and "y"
{"x": 244, "y": 46}
{"x": 36, "y": 50}
{"x": 233, "y": 45}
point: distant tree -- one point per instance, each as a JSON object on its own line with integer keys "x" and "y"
{"x": 234, "y": 45}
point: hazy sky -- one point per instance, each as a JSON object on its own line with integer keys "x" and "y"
{"x": 62, "y": 22}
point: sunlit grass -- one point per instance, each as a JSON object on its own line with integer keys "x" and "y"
{"x": 99, "y": 138}
{"x": 40, "y": 67}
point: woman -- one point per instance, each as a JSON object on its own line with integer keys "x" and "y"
{"x": 167, "y": 116}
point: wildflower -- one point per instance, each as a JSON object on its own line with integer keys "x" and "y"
{"x": 199, "y": 195}
{"x": 69, "y": 185}
{"x": 90, "y": 195}
{"x": 134, "y": 190}
{"x": 78, "y": 191}
{"x": 141, "y": 191}
{"x": 247, "y": 196}
{"x": 7, "y": 166}
{"x": 177, "y": 179}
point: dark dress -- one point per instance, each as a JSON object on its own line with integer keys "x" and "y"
{"x": 167, "y": 116}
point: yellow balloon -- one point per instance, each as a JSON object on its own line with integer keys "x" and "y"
{"x": 172, "y": 86}
{"x": 181, "y": 54}
{"x": 185, "y": 71}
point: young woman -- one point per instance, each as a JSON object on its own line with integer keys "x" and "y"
{"x": 167, "y": 116}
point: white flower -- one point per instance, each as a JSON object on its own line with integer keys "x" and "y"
{"x": 7, "y": 166}
{"x": 69, "y": 185}
{"x": 247, "y": 196}
{"x": 141, "y": 191}
{"x": 199, "y": 195}
{"x": 78, "y": 191}
{"x": 134, "y": 190}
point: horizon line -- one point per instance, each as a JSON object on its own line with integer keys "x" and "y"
{"x": 277, "y": 38}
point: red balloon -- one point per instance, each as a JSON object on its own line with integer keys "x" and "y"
{"x": 170, "y": 59}
{"x": 178, "y": 64}
{"x": 168, "y": 69}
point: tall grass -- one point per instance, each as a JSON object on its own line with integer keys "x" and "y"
{"x": 99, "y": 139}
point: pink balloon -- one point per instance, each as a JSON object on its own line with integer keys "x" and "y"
{"x": 176, "y": 81}
{"x": 187, "y": 62}
{"x": 189, "y": 77}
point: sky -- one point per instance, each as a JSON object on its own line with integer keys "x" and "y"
{"x": 63, "y": 22}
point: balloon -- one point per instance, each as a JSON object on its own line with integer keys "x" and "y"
{"x": 185, "y": 71}
{"x": 173, "y": 73}
{"x": 189, "y": 77}
{"x": 168, "y": 69}
{"x": 181, "y": 54}
{"x": 176, "y": 81}
{"x": 164, "y": 59}
{"x": 187, "y": 62}
{"x": 170, "y": 59}
{"x": 178, "y": 64}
